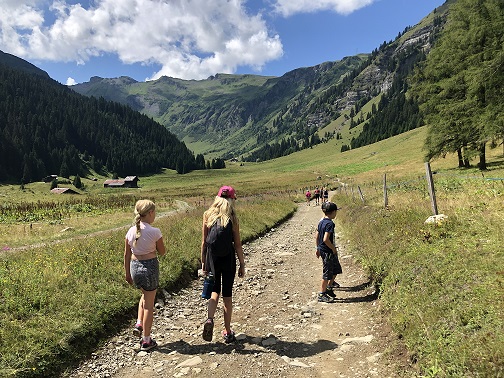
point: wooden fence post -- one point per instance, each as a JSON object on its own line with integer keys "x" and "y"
{"x": 360, "y": 193}
{"x": 385, "y": 195}
{"x": 432, "y": 192}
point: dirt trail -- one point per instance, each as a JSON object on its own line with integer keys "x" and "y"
{"x": 282, "y": 330}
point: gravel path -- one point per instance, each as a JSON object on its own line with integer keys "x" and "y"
{"x": 282, "y": 330}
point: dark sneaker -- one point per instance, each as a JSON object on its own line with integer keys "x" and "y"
{"x": 145, "y": 346}
{"x": 229, "y": 337}
{"x": 330, "y": 293}
{"x": 334, "y": 285}
{"x": 323, "y": 297}
{"x": 208, "y": 330}
{"x": 137, "y": 330}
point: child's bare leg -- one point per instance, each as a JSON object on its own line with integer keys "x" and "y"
{"x": 323, "y": 286}
{"x": 148, "y": 311}
{"x": 212, "y": 305}
{"x": 141, "y": 310}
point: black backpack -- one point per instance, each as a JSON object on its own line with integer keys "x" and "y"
{"x": 219, "y": 240}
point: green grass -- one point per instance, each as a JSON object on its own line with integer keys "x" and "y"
{"x": 441, "y": 286}
{"x": 56, "y": 302}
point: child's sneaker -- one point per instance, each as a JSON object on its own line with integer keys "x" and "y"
{"x": 145, "y": 346}
{"x": 323, "y": 297}
{"x": 208, "y": 330}
{"x": 229, "y": 337}
{"x": 137, "y": 330}
{"x": 330, "y": 293}
{"x": 334, "y": 285}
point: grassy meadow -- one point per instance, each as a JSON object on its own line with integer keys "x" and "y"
{"x": 441, "y": 285}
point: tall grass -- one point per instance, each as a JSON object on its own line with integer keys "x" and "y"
{"x": 441, "y": 285}
{"x": 57, "y": 302}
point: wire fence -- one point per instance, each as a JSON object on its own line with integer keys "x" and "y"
{"x": 423, "y": 185}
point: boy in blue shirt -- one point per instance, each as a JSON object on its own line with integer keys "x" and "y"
{"x": 324, "y": 239}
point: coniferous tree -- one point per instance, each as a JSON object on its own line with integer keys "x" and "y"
{"x": 461, "y": 83}
{"x": 77, "y": 182}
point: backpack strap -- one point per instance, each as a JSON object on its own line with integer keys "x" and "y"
{"x": 209, "y": 261}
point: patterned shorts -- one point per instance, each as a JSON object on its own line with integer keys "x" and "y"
{"x": 145, "y": 273}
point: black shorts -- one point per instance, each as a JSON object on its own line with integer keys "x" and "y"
{"x": 331, "y": 266}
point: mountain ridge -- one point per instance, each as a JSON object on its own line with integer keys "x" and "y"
{"x": 230, "y": 115}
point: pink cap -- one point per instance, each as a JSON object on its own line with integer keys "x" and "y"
{"x": 227, "y": 192}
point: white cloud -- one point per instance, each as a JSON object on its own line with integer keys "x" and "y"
{"x": 289, "y": 7}
{"x": 189, "y": 39}
{"x": 71, "y": 81}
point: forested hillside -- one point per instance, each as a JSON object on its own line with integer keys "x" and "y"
{"x": 46, "y": 128}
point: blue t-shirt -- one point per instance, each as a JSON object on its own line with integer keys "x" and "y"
{"x": 325, "y": 225}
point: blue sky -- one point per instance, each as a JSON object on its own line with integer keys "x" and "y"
{"x": 193, "y": 39}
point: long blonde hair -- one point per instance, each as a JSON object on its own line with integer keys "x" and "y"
{"x": 142, "y": 208}
{"x": 223, "y": 209}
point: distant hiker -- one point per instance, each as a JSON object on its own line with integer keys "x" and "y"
{"x": 220, "y": 244}
{"x": 325, "y": 193}
{"x": 324, "y": 240}
{"x": 316, "y": 194}
{"x": 142, "y": 245}
{"x": 308, "y": 197}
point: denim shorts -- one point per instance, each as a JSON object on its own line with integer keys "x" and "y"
{"x": 145, "y": 273}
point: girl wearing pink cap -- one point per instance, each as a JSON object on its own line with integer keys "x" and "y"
{"x": 222, "y": 263}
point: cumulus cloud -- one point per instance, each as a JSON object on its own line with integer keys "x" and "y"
{"x": 189, "y": 39}
{"x": 289, "y": 7}
{"x": 71, "y": 81}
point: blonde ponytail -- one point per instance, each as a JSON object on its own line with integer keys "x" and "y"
{"x": 142, "y": 208}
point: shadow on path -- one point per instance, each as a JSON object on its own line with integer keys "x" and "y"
{"x": 291, "y": 349}
{"x": 353, "y": 289}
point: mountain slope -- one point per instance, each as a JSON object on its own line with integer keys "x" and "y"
{"x": 257, "y": 117}
{"x": 21, "y": 64}
{"x": 226, "y": 114}
{"x": 46, "y": 128}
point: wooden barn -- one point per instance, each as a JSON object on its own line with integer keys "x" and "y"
{"x": 127, "y": 182}
{"x": 63, "y": 191}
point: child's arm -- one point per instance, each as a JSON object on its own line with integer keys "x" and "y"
{"x": 316, "y": 244}
{"x": 327, "y": 241}
{"x": 239, "y": 249}
{"x": 204, "y": 233}
{"x": 127, "y": 259}
{"x": 160, "y": 247}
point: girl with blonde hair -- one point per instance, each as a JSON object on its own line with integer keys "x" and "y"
{"x": 142, "y": 245}
{"x": 222, "y": 264}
